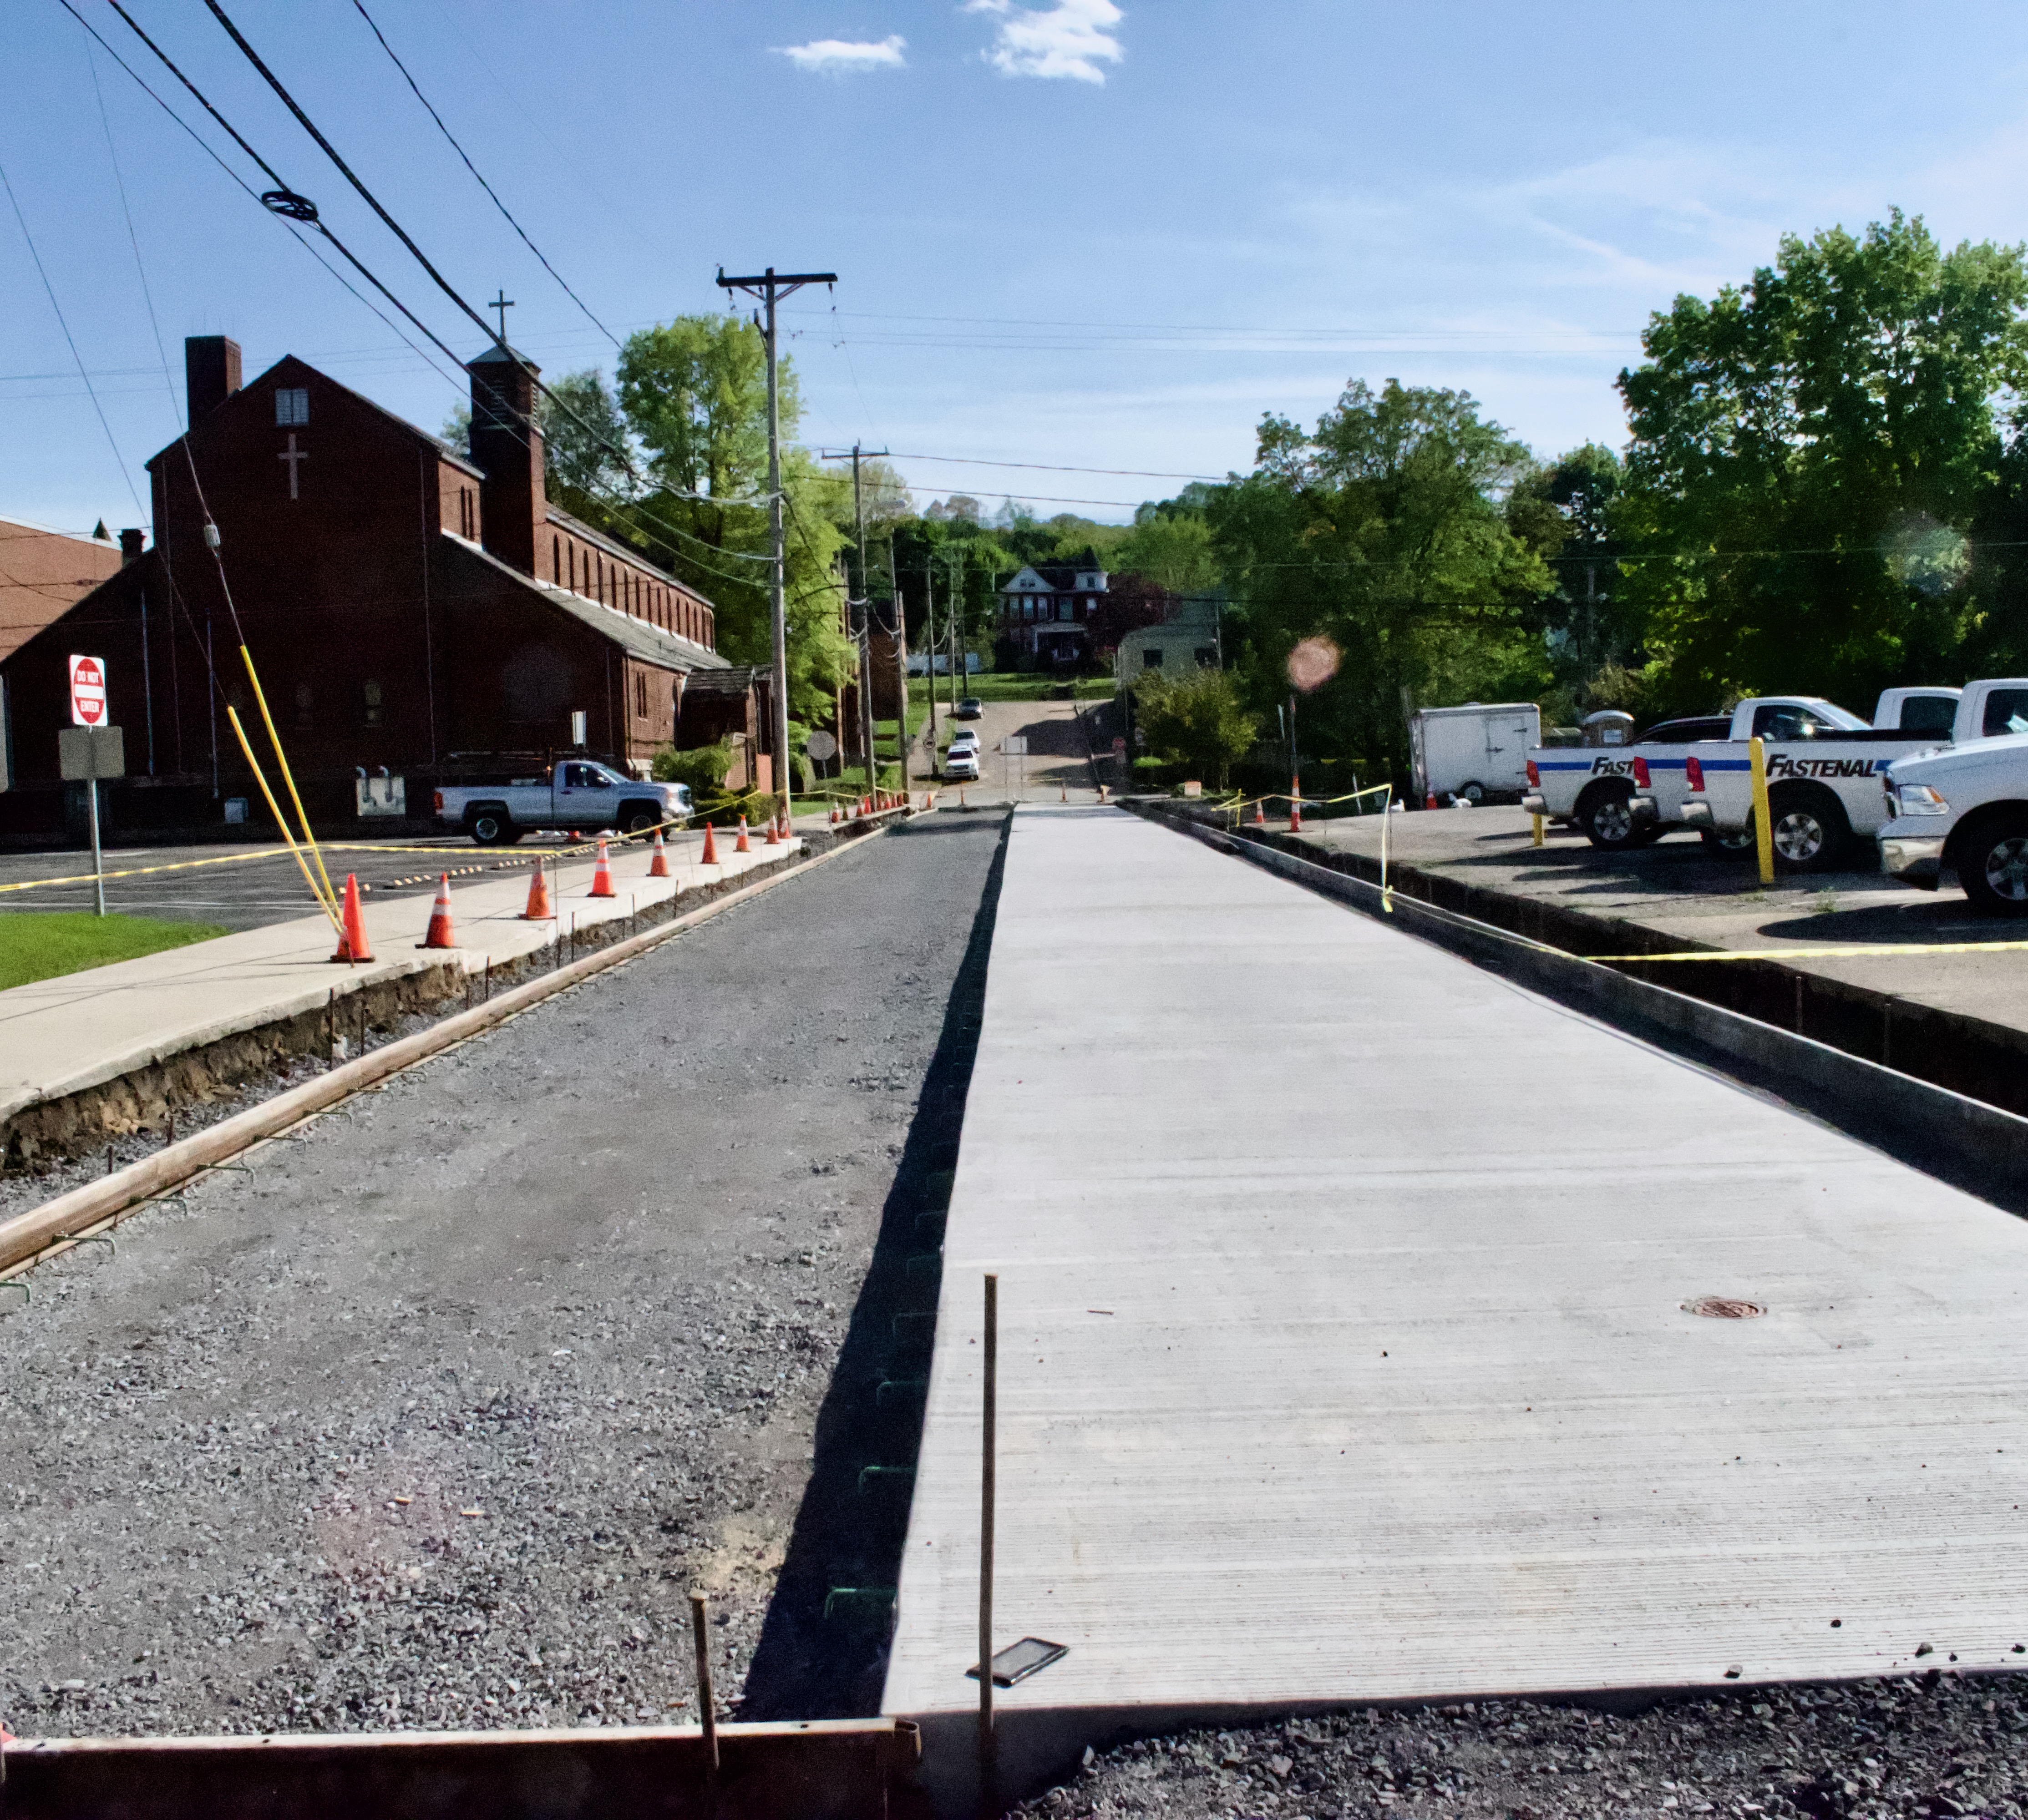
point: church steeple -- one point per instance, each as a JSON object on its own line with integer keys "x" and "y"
{"x": 508, "y": 448}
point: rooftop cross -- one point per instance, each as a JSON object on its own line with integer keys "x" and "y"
{"x": 503, "y": 303}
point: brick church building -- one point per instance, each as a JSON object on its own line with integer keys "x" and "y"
{"x": 413, "y": 612}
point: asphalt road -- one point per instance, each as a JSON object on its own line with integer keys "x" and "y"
{"x": 225, "y": 884}
{"x": 435, "y": 1417}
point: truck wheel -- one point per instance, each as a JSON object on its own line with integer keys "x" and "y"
{"x": 638, "y": 818}
{"x": 1810, "y": 830}
{"x": 1730, "y": 844}
{"x": 1474, "y": 793}
{"x": 1608, "y": 823}
{"x": 1992, "y": 866}
{"x": 490, "y": 828}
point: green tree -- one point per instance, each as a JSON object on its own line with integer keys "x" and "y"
{"x": 584, "y": 438}
{"x": 1384, "y": 531}
{"x": 694, "y": 394}
{"x": 1566, "y": 510}
{"x": 1173, "y": 551}
{"x": 1198, "y": 719}
{"x": 1810, "y": 453}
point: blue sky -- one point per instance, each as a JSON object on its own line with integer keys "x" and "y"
{"x": 1073, "y": 232}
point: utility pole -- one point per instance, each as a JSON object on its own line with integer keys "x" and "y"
{"x": 958, "y": 652}
{"x": 771, "y": 287}
{"x": 864, "y": 604}
{"x": 930, "y": 646}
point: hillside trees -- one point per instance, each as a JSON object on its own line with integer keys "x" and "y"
{"x": 1813, "y": 453}
{"x": 1386, "y": 530}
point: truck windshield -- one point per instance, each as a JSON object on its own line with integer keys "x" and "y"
{"x": 1786, "y": 720}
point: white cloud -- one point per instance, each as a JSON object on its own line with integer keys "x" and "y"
{"x": 843, "y": 56}
{"x": 1071, "y": 38}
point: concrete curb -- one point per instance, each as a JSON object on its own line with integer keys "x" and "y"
{"x": 70, "y": 1217}
{"x": 1964, "y": 1140}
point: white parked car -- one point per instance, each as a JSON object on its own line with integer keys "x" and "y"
{"x": 965, "y": 736}
{"x": 961, "y": 762}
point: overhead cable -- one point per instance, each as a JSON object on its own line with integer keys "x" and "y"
{"x": 480, "y": 180}
{"x": 69, "y": 341}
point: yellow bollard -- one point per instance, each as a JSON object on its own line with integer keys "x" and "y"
{"x": 1538, "y": 821}
{"x": 1763, "y": 824}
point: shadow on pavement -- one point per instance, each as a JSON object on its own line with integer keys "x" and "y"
{"x": 1923, "y": 920}
{"x": 848, "y": 1533}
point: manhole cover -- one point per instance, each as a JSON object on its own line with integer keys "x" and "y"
{"x": 1723, "y": 1307}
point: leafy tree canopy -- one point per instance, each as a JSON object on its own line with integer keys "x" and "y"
{"x": 1385, "y": 531}
{"x": 1809, "y": 453}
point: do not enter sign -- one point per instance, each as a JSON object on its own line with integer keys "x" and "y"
{"x": 87, "y": 692}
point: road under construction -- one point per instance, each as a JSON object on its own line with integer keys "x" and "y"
{"x": 1346, "y": 1355}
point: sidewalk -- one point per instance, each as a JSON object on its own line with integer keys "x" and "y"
{"x": 64, "y": 1036}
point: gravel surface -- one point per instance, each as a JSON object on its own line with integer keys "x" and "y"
{"x": 434, "y": 1416}
{"x": 1934, "y": 1744}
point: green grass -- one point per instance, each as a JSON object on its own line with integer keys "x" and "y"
{"x": 1008, "y": 685}
{"x": 43, "y": 945}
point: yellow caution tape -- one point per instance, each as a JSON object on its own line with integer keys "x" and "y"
{"x": 1854, "y": 949}
{"x": 137, "y": 871}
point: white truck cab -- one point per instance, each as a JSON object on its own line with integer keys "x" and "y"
{"x": 1964, "y": 808}
{"x": 1630, "y": 795}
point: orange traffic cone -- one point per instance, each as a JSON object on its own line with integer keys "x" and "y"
{"x": 833, "y": 814}
{"x": 538, "y": 910}
{"x": 774, "y": 830}
{"x": 1063, "y": 793}
{"x": 658, "y": 868}
{"x": 440, "y": 934}
{"x": 602, "y": 876}
{"x": 1295, "y": 815}
{"x": 1430, "y": 801}
{"x": 352, "y": 944}
{"x": 742, "y": 845}
{"x": 786, "y": 829}
{"x": 709, "y": 857}
{"x": 1260, "y": 813}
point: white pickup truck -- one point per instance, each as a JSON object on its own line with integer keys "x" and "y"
{"x": 1965, "y": 809}
{"x": 1630, "y": 795}
{"x": 573, "y": 793}
{"x": 1824, "y": 781}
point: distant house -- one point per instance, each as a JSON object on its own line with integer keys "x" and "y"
{"x": 1188, "y": 640}
{"x": 1045, "y": 608}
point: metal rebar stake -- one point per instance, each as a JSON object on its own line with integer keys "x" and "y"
{"x": 988, "y": 1764}
{"x": 707, "y": 1703}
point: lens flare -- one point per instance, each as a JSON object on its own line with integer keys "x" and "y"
{"x": 1312, "y": 664}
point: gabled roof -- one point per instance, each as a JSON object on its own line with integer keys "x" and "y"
{"x": 456, "y": 456}
{"x": 635, "y": 636}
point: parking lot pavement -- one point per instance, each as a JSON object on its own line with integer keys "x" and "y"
{"x": 1679, "y": 890}
{"x": 229, "y": 884}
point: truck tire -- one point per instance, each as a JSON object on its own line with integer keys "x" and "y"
{"x": 1608, "y": 823}
{"x": 1810, "y": 828}
{"x": 1728, "y": 844}
{"x": 491, "y": 828}
{"x": 1991, "y": 860}
{"x": 638, "y": 818}
{"x": 1474, "y": 793}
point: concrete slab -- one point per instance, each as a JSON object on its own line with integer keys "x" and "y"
{"x": 1344, "y": 1355}
{"x": 61, "y": 1035}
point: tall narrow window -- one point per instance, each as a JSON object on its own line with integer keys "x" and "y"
{"x": 555, "y": 559}
{"x": 573, "y": 568}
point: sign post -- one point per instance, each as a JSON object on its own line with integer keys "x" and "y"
{"x": 90, "y": 749}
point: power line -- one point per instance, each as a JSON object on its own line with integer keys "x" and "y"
{"x": 69, "y": 341}
{"x": 1062, "y": 467}
{"x": 480, "y": 180}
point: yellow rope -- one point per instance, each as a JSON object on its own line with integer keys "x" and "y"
{"x": 232, "y": 715}
{"x": 282, "y": 758}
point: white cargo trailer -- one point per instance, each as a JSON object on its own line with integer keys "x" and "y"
{"x": 1477, "y": 754}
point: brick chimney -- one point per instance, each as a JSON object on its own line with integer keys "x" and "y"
{"x": 508, "y": 448}
{"x": 129, "y": 547}
{"x": 211, "y": 373}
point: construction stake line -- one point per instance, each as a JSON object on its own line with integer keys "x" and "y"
{"x": 75, "y": 1215}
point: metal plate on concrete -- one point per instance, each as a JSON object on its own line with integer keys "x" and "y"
{"x": 1345, "y": 1350}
